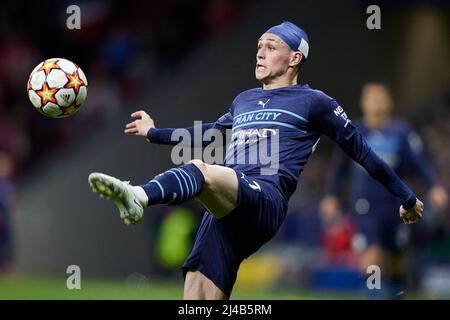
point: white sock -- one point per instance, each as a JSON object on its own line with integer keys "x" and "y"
{"x": 141, "y": 195}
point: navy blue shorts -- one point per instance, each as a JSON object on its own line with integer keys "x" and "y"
{"x": 222, "y": 244}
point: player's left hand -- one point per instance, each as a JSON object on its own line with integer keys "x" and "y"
{"x": 413, "y": 214}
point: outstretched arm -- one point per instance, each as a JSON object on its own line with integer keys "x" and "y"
{"x": 356, "y": 147}
{"x": 331, "y": 119}
{"x": 144, "y": 126}
{"x": 164, "y": 135}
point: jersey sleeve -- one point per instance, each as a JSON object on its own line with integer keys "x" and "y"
{"x": 328, "y": 117}
{"x": 224, "y": 122}
{"x": 164, "y": 135}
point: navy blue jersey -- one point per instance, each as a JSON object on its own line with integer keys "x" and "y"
{"x": 400, "y": 147}
{"x": 297, "y": 115}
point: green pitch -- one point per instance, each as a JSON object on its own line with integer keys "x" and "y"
{"x": 50, "y": 289}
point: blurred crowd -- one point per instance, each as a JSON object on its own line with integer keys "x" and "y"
{"x": 125, "y": 50}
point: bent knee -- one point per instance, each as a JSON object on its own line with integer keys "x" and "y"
{"x": 217, "y": 178}
{"x": 199, "y": 164}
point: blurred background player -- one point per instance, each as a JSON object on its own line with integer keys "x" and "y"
{"x": 7, "y": 195}
{"x": 372, "y": 207}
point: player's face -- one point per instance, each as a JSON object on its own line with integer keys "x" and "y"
{"x": 272, "y": 58}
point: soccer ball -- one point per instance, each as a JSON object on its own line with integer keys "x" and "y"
{"x": 57, "y": 87}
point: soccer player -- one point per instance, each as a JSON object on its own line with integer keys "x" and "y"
{"x": 372, "y": 206}
{"x": 246, "y": 204}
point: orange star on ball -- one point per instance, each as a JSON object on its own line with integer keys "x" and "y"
{"x": 74, "y": 81}
{"x": 47, "y": 94}
{"x": 49, "y": 65}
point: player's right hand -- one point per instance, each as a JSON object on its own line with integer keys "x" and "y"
{"x": 140, "y": 126}
{"x": 413, "y": 214}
